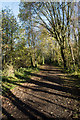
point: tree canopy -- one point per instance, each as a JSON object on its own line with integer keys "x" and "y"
{"x": 48, "y": 33}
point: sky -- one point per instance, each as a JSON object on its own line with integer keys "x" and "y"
{"x": 14, "y": 6}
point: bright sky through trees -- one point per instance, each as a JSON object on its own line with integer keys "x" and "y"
{"x": 14, "y": 6}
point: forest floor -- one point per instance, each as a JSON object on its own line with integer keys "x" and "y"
{"x": 48, "y": 95}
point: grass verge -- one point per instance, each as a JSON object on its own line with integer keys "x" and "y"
{"x": 10, "y": 82}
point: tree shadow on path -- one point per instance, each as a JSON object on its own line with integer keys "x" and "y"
{"x": 28, "y": 110}
{"x": 74, "y": 91}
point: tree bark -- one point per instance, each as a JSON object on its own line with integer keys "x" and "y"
{"x": 63, "y": 57}
{"x": 43, "y": 60}
{"x": 32, "y": 62}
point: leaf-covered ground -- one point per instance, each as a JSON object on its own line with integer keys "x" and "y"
{"x": 47, "y": 94}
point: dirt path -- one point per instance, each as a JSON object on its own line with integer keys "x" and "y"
{"x": 43, "y": 97}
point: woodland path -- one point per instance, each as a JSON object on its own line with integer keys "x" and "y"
{"x": 48, "y": 95}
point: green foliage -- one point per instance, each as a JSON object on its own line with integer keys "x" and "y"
{"x": 8, "y": 70}
{"x": 20, "y": 76}
{"x": 43, "y": 36}
{"x": 9, "y": 29}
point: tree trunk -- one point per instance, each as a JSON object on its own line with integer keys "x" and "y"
{"x": 70, "y": 45}
{"x": 43, "y": 60}
{"x": 32, "y": 62}
{"x": 63, "y": 57}
{"x": 72, "y": 54}
{"x": 79, "y": 50}
{"x": 35, "y": 63}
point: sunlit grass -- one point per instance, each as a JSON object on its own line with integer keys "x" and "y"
{"x": 10, "y": 82}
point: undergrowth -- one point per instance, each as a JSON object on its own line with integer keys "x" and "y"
{"x": 20, "y": 76}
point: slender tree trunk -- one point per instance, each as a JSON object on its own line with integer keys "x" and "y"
{"x": 35, "y": 63}
{"x": 79, "y": 50}
{"x": 72, "y": 54}
{"x": 32, "y": 62}
{"x": 63, "y": 57}
{"x": 70, "y": 46}
{"x": 43, "y": 60}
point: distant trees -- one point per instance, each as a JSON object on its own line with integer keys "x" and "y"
{"x": 48, "y": 33}
{"x": 9, "y": 29}
{"x": 57, "y": 18}
{"x": 26, "y": 16}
